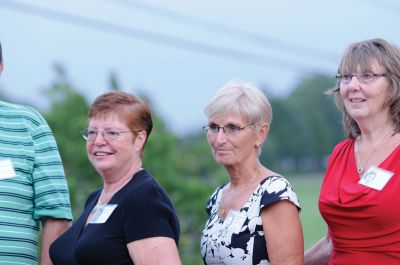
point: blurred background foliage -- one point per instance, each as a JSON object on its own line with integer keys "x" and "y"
{"x": 306, "y": 125}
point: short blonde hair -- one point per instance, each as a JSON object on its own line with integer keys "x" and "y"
{"x": 240, "y": 98}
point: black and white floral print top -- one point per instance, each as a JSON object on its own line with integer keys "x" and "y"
{"x": 240, "y": 239}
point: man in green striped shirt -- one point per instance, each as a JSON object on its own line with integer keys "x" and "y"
{"x": 33, "y": 188}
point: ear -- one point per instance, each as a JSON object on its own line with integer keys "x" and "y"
{"x": 263, "y": 130}
{"x": 1, "y": 67}
{"x": 140, "y": 139}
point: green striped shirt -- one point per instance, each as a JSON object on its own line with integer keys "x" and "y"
{"x": 37, "y": 189}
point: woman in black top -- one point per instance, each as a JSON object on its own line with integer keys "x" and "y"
{"x": 131, "y": 219}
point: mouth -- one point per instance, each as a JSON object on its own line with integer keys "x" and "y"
{"x": 356, "y": 100}
{"x": 219, "y": 150}
{"x": 102, "y": 153}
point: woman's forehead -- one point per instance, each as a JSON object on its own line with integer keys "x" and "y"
{"x": 227, "y": 117}
{"x": 361, "y": 66}
{"x": 106, "y": 118}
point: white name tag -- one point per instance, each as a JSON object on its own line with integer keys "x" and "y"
{"x": 375, "y": 178}
{"x": 6, "y": 169}
{"x": 234, "y": 221}
{"x": 101, "y": 213}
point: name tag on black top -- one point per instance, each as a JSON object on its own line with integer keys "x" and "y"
{"x": 101, "y": 213}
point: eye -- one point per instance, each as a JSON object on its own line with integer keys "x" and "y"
{"x": 213, "y": 127}
{"x": 91, "y": 133}
{"x": 367, "y": 76}
{"x": 232, "y": 128}
{"x": 346, "y": 77}
{"x": 112, "y": 133}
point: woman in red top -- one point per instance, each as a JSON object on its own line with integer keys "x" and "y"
{"x": 360, "y": 194}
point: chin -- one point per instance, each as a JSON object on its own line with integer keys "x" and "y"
{"x": 224, "y": 161}
{"x": 102, "y": 167}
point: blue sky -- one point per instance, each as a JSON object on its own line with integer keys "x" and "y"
{"x": 180, "y": 52}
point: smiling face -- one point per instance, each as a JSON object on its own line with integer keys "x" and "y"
{"x": 366, "y": 101}
{"x": 113, "y": 156}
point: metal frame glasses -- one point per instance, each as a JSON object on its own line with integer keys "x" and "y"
{"x": 365, "y": 78}
{"x": 229, "y": 129}
{"x": 109, "y": 135}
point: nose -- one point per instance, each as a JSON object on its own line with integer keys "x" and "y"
{"x": 221, "y": 136}
{"x": 354, "y": 77}
{"x": 354, "y": 84}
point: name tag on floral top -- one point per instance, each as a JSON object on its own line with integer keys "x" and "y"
{"x": 375, "y": 178}
{"x": 101, "y": 213}
{"x": 234, "y": 221}
{"x": 6, "y": 169}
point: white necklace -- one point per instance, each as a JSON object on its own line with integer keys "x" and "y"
{"x": 360, "y": 166}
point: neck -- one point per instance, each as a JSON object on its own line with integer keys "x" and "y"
{"x": 372, "y": 137}
{"x": 240, "y": 178}
{"x": 113, "y": 184}
{"x": 369, "y": 142}
{"x": 114, "y": 178}
{"x": 372, "y": 128}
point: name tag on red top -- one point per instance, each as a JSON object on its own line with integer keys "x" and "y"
{"x": 375, "y": 178}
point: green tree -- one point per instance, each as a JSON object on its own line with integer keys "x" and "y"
{"x": 305, "y": 127}
{"x": 67, "y": 116}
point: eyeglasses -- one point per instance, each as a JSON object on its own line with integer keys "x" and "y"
{"x": 229, "y": 129}
{"x": 109, "y": 135}
{"x": 364, "y": 78}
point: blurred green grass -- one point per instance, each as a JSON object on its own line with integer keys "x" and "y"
{"x": 307, "y": 189}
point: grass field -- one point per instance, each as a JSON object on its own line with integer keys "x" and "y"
{"x": 307, "y": 190}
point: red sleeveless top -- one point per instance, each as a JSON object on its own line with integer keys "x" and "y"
{"x": 363, "y": 223}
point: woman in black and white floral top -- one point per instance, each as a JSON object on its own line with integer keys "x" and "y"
{"x": 254, "y": 218}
